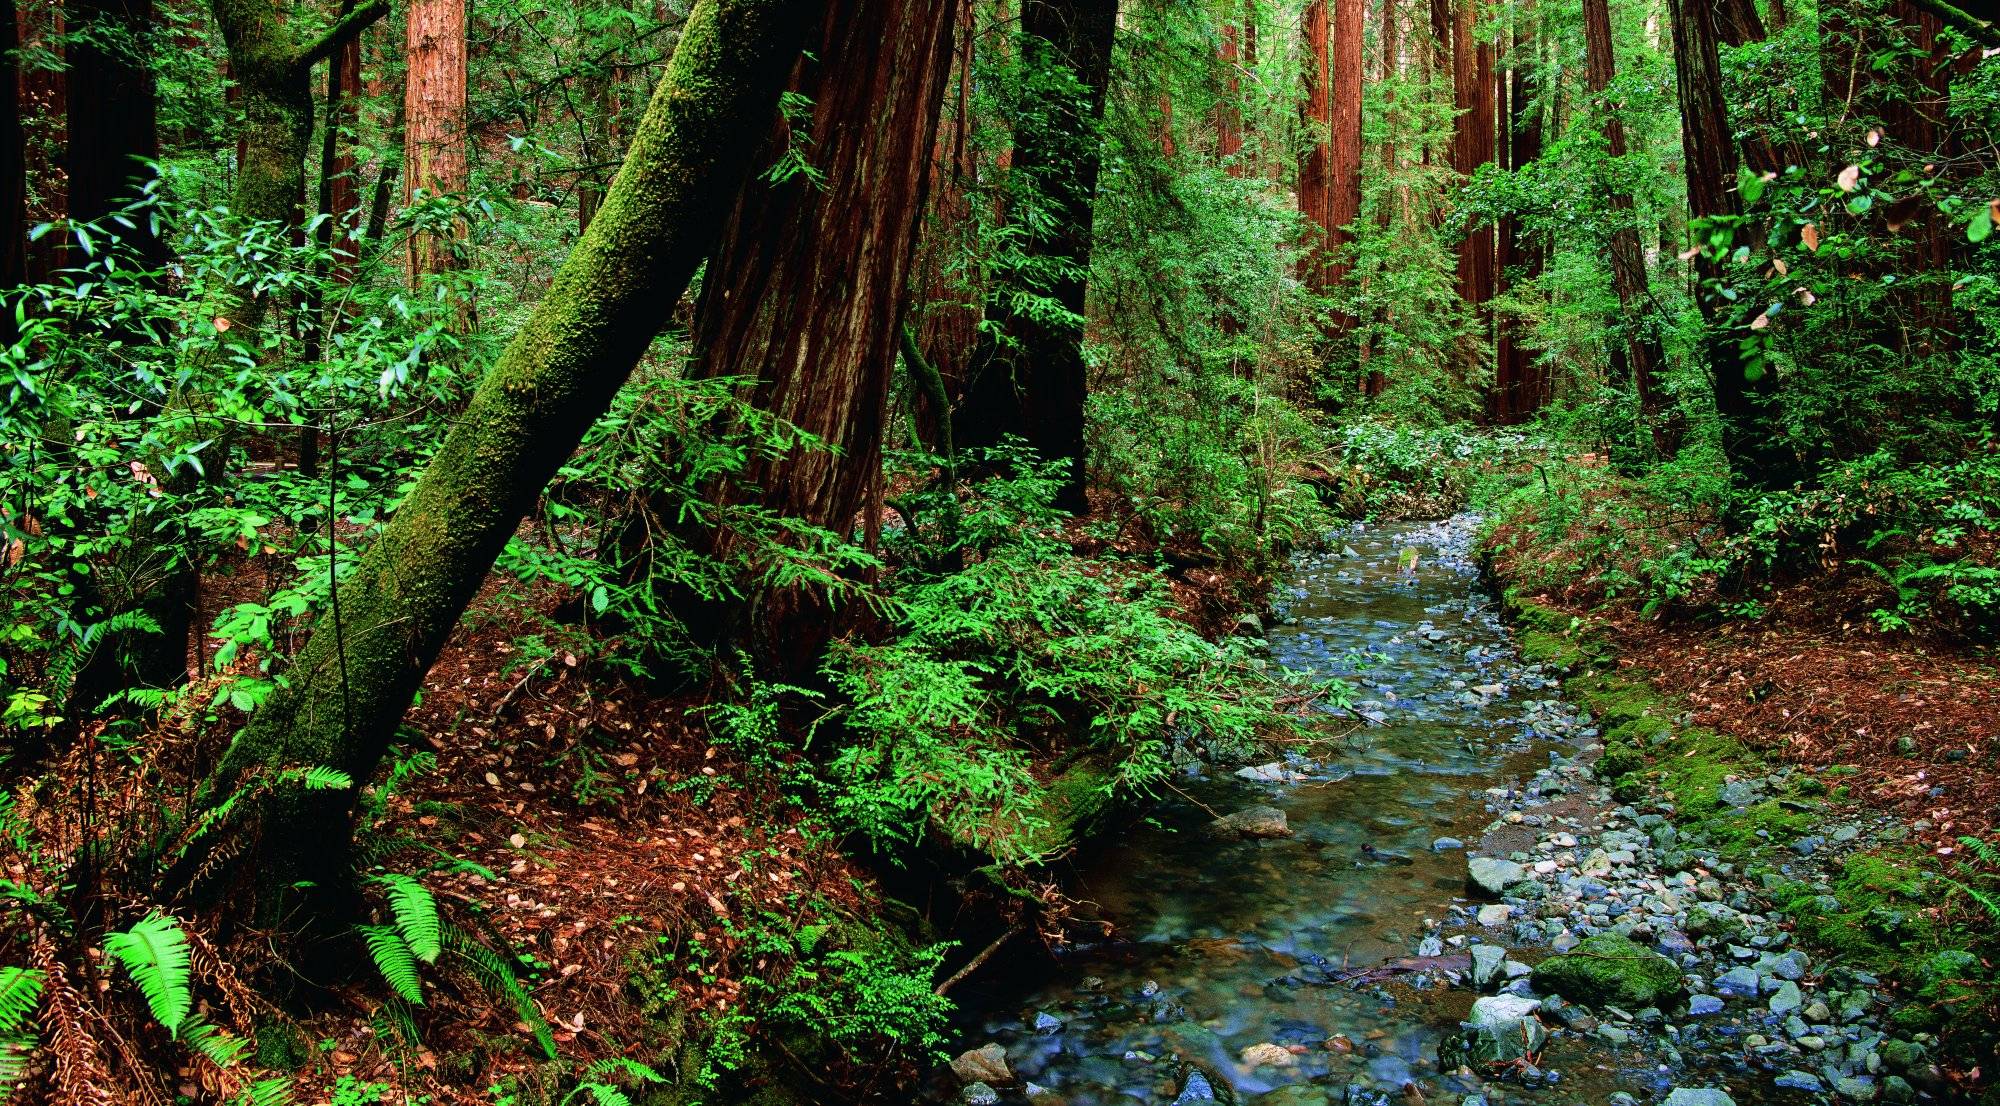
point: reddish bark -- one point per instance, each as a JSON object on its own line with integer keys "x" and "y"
{"x": 1229, "y": 113}
{"x": 805, "y": 292}
{"x": 1742, "y": 395}
{"x": 435, "y": 123}
{"x": 1315, "y": 189}
{"x": 1638, "y": 357}
{"x": 13, "y": 172}
{"x": 1520, "y": 385}
{"x": 44, "y": 108}
{"x": 343, "y": 189}
{"x": 1344, "y": 165}
{"x": 1472, "y": 86}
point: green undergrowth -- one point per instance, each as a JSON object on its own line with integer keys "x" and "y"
{"x": 1887, "y": 907}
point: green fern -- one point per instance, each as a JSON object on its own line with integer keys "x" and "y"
{"x": 619, "y": 1065}
{"x": 20, "y": 995}
{"x": 155, "y": 952}
{"x": 416, "y": 914}
{"x": 604, "y": 1094}
{"x": 265, "y": 1092}
{"x": 219, "y": 1048}
{"x": 497, "y": 978}
{"x": 396, "y": 1027}
{"x": 395, "y": 960}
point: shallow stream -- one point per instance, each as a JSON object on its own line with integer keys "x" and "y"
{"x": 1224, "y": 943}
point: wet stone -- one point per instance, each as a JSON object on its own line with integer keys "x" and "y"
{"x": 987, "y": 1063}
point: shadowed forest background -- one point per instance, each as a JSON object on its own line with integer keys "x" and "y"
{"x": 621, "y": 551}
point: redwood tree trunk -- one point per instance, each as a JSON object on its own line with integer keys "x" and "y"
{"x": 1344, "y": 167}
{"x": 1315, "y": 188}
{"x": 1033, "y": 384}
{"x": 1229, "y": 114}
{"x": 1743, "y": 392}
{"x": 112, "y": 116}
{"x": 1527, "y": 254}
{"x": 434, "y": 121}
{"x": 13, "y": 172}
{"x": 1638, "y": 357}
{"x": 805, "y": 292}
{"x": 1472, "y": 85}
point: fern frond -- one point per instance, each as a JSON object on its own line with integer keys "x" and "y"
{"x": 80, "y": 1071}
{"x": 155, "y": 952}
{"x": 215, "y": 1046}
{"x": 317, "y": 779}
{"x": 395, "y": 1026}
{"x": 20, "y": 995}
{"x": 623, "y": 1066}
{"x": 604, "y": 1094}
{"x": 266, "y": 1092}
{"x": 416, "y": 915}
{"x": 395, "y": 961}
{"x": 497, "y": 979}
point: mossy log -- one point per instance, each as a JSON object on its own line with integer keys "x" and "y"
{"x": 348, "y": 689}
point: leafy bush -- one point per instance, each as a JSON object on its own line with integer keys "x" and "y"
{"x": 1028, "y": 655}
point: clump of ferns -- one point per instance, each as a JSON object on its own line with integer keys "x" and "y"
{"x": 103, "y": 989}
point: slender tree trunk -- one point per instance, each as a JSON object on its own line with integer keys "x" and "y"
{"x": 343, "y": 186}
{"x": 1524, "y": 255}
{"x": 434, "y": 125}
{"x": 1229, "y": 114}
{"x": 1744, "y": 392}
{"x": 1638, "y": 357}
{"x": 1033, "y": 384}
{"x": 13, "y": 172}
{"x": 355, "y": 677}
{"x": 1344, "y": 147}
{"x": 806, "y": 290}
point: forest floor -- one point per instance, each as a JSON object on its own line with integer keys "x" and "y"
{"x": 648, "y": 873}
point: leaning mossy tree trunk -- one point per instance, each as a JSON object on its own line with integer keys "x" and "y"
{"x": 368, "y": 654}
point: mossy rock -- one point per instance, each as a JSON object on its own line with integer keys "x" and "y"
{"x": 1618, "y": 760}
{"x": 1610, "y": 970}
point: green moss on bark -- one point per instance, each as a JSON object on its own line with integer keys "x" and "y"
{"x": 349, "y": 688}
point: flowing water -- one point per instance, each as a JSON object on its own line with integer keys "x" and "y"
{"x": 1222, "y": 943}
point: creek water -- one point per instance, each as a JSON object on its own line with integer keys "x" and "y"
{"x": 1220, "y": 943}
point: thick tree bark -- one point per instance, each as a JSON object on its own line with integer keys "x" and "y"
{"x": 1519, "y": 387}
{"x": 112, "y": 116}
{"x": 13, "y": 172}
{"x": 341, "y": 184}
{"x": 1638, "y": 357}
{"x": 1032, "y": 384}
{"x": 351, "y": 684}
{"x": 1344, "y": 147}
{"x": 1315, "y": 188}
{"x": 806, "y": 290}
{"x": 1743, "y": 393}
{"x": 948, "y": 326}
{"x": 1472, "y": 147}
{"x": 434, "y": 124}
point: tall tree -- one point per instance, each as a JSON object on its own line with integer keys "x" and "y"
{"x": 1520, "y": 384}
{"x": 1744, "y": 388}
{"x": 1637, "y": 355}
{"x": 273, "y": 73}
{"x": 806, "y": 291}
{"x": 1472, "y": 146}
{"x": 1315, "y": 188}
{"x": 1344, "y": 146}
{"x": 434, "y": 124}
{"x": 1031, "y": 382}
{"x": 1229, "y": 113}
{"x": 354, "y": 679}
{"x": 113, "y": 126}
{"x": 13, "y": 170}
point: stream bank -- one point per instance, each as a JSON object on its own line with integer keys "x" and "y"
{"x": 1385, "y": 914}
